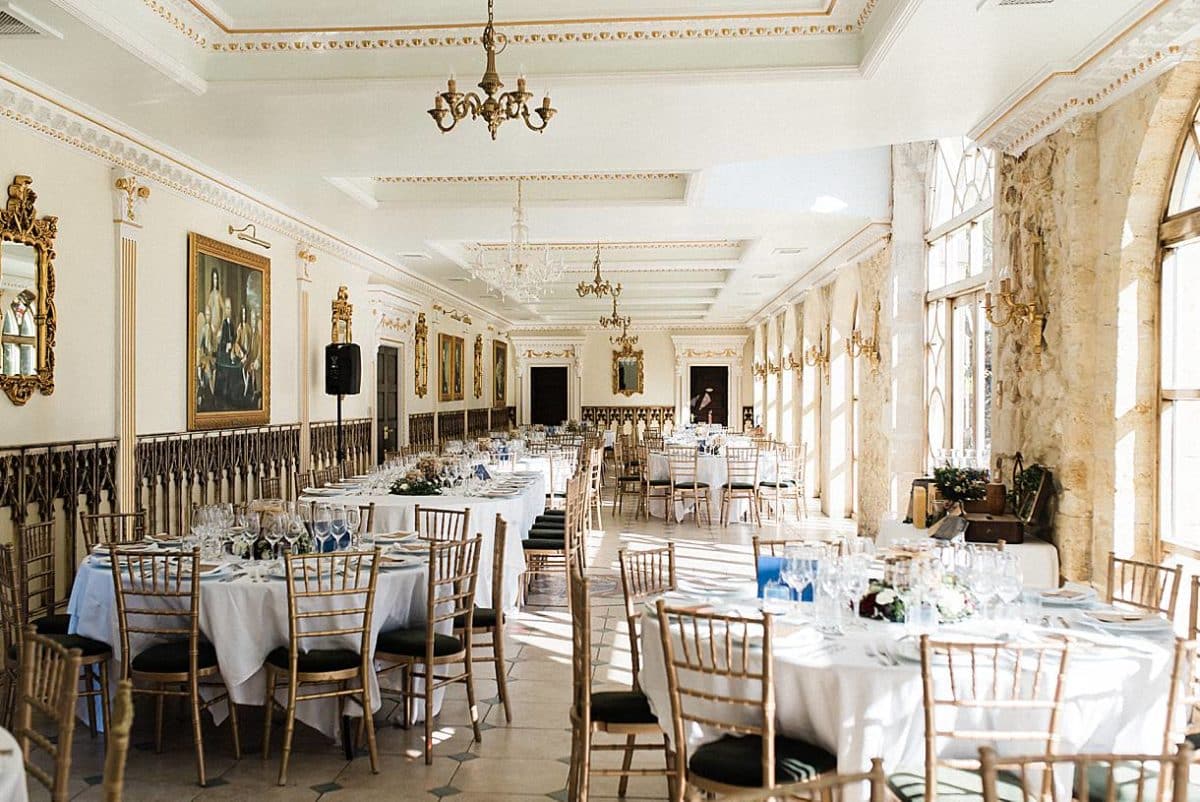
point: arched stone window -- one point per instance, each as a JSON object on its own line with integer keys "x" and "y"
{"x": 958, "y": 335}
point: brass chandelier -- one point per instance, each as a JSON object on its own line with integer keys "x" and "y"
{"x": 599, "y": 286}
{"x": 615, "y": 321}
{"x": 624, "y": 340}
{"x": 495, "y": 109}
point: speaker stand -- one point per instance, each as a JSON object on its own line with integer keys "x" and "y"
{"x": 341, "y": 444}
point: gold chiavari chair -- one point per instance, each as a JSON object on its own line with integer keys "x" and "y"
{"x": 302, "y": 481}
{"x": 829, "y": 787}
{"x": 612, "y": 712}
{"x": 435, "y": 524}
{"x": 94, "y": 654}
{"x": 269, "y": 487}
{"x": 652, "y": 488}
{"x": 321, "y": 477}
{"x": 628, "y": 475}
{"x": 11, "y": 633}
{"x": 36, "y": 556}
{"x": 1194, "y": 614}
{"x": 773, "y": 547}
{"x": 366, "y": 519}
{"x": 112, "y": 527}
{"x": 741, "y": 467}
{"x": 683, "y": 463}
{"x": 1016, "y": 688}
{"x": 1142, "y": 585}
{"x": 1123, "y": 778}
{"x": 644, "y": 573}
{"x": 488, "y": 622}
{"x": 420, "y": 651}
{"x": 787, "y": 483}
{"x": 48, "y": 688}
{"x": 330, "y": 597}
{"x": 547, "y": 554}
{"x": 718, "y": 677}
{"x": 119, "y": 730}
{"x": 655, "y": 442}
{"x": 158, "y": 612}
{"x": 595, "y": 467}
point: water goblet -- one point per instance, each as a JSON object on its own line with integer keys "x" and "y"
{"x": 337, "y": 527}
{"x": 322, "y": 517}
{"x": 1009, "y": 581}
{"x": 273, "y": 531}
{"x": 854, "y": 583}
{"x": 353, "y": 524}
{"x": 829, "y": 585}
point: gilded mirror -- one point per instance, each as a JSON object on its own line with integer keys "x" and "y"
{"x": 27, "y": 313}
{"x": 627, "y": 373}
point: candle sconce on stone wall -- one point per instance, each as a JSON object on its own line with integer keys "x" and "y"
{"x": 867, "y": 347}
{"x": 1009, "y": 311}
{"x": 818, "y": 356}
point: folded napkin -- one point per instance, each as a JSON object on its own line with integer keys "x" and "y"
{"x": 1119, "y": 617}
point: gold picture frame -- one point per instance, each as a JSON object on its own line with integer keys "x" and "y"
{"x": 450, "y": 367}
{"x": 499, "y": 374}
{"x": 628, "y": 372}
{"x": 421, "y": 356}
{"x": 229, "y": 359}
{"x": 477, "y": 372}
{"x": 28, "y": 316}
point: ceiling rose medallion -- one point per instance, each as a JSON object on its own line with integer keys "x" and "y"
{"x": 495, "y": 109}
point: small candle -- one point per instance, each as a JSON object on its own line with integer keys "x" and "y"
{"x": 987, "y": 300}
{"x": 438, "y": 103}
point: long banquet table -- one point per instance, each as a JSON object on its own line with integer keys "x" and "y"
{"x": 840, "y": 695}
{"x": 713, "y": 470}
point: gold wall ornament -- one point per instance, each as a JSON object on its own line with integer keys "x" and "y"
{"x": 1009, "y": 310}
{"x": 453, "y": 314}
{"x": 134, "y": 192}
{"x": 867, "y": 347}
{"x": 818, "y": 356}
{"x": 759, "y": 369}
{"x": 599, "y": 286}
{"x": 628, "y": 371}
{"x": 478, "y": 372}
{"x": 775, "y": 368}
{"x": 421, "y": 356}
{"x": 28, "y": 316}
{"x": 342, "y": 317}
{"x": 495, "y": 110}
{"x": 566, "y": 353}
{"x": 791, "y": 363}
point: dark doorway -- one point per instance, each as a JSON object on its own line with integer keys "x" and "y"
{"x": 710, "y": 394}
{"x": 548, "y": 395}
{"x": 387, "y": 394}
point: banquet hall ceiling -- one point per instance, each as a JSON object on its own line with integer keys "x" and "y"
{"x": 719, "y": 150}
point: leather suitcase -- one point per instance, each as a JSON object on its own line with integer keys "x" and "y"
{"x": 985, "y": 528}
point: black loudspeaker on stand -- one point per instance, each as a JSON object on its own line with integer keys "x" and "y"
{"x": 343, "y": 375}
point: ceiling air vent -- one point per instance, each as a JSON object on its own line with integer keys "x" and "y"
{"x": 11, "y": 26}
{"x": 996, "y": 3}
{"x": 15, "y": 21}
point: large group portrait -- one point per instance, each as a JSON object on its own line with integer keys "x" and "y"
{"x": 229, "y": 335}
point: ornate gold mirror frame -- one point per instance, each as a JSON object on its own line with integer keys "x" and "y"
{"x": 20, "y": 224}
{"x": 627, "y": 352}
{"x": 478, "y": 371}
{"x": 421, "y": 356}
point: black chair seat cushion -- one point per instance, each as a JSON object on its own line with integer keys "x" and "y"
{"x": 739, "y": 486}
{"x": 550, "y": 520}
{"x": 544, "y": 544}
{"x": 784, "y": 483}
{"x": 547, "y": 534}
{"x": 54, "y": 624}
{"x": 411, "y": 643}
{"x": 630, "y": 478}
{"x": 87, "y": 646}
{"x": 622, "y": 707}
{"x": 691, "y": 485}
{"x": 316, "y": 661}
{"x": 485, "y": 618}
{"x": 954, "y": 785}
{"x": 172, "y": 657}
{"x": 734, "y": 760}
{"x": 554, "y": 514}
{"x": 659, "y": 482}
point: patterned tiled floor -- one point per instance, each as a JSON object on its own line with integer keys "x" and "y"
{"x": 526, "y": 760}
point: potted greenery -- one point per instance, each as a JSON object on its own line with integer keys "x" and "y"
{"x": 961, "y": 485}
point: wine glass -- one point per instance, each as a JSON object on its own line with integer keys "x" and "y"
{"x": 273, "y": 531}
{"x": 337, "y": 527}
{"x": 983, "y": 577}
{"x": 854, "y": 583}
{"x": 829, "y": 583}
{"x": 353, "y": 523}
{"x": 322, "y": 518}
{"x": 1009, "y": 580}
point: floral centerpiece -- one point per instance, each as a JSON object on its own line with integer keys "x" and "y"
{"x": 957, "y": 485}
{"x": 423, "y": 480}
{"x": 883, "y": 603}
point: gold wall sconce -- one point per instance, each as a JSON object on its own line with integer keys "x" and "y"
{"x": 868, "y": 347}
{"x": 249, "y": 233}
{"x": 759, "y": 369}
{"x": 453, "y": 314}
{"x": 791, "y": 363}
{"x": 1021, "y": 315}
{"x": 775, "y": 368}
{"x": 818, "y": 356}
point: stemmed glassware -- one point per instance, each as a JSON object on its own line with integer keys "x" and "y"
{"x": 1009, "y": 581}
{"x": 983, "y": 577}
{"x": 353, "y": 523}
{"x": 322, "y": 518}
{"x": 274, "y": 530}
{"x": 855, "y": 581}
{"x": 797, "y": 571}
{"x": 829, "y": 584}
{"x": 337, "y": 527}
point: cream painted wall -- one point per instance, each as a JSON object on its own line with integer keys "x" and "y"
{"x": 658, "y": 362}
{"x": 439, "y": 323}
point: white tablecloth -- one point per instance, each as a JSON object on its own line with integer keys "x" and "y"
{"x": 245, "y": 620}
{"x": 12, "y": 770}
{"x": 396, "y": 513}
{"x": 713, "y": 471}
{"x": 1039, "y": 559}
{"x": 843, "y": 700}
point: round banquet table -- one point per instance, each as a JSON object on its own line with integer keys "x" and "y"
{"x": 398, "y": 513}
{"x": 12, "y": 769}
{"x": 837, "y": 695}
{"x": 713, "y": 471}
{"x": 245, "y": 620}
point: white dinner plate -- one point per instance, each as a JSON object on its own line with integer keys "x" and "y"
{"x": 389, "y": 538}
{"x": 1068, "y": 596}
{"x": 322, "y": 491}
{"x": 1126, "y": 621}
{"x": 399, "y": 561}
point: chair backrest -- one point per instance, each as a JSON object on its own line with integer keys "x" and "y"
{"x": 1129, "y": 778}
{"x": 1194, "y": 616}
{"x": 789, "y": 462}
{"x": 366, "y": 521}
{"x": 320, "y": 476}
{"x": 829, "y": 787}
{"x": 579, "y": 600}
{"x": 269, "y": 487}
{"x": 741, "y": 466}
{"x": 644, "y": 573}
{"x": 36, "y": 561}
{"x": 654, "y": 442}
{"x": 435, "y": 524}
{"x": 117, "y": 748}
{"x": 574, "y": 522}
{"x": 595, "y": 467}
{"x": 717, "y": 676}
{"x": 331, "y": 596}
{"x": 12, "y": 616}
{"x": 112, "y": 527}
{"x": 773, "y": 547}
{"x": 498, "y": 547}
{"x": 49, "y": 688}
{"x": 1146, "y": 586}
{"x": 682, "y": 463}
{"x": 453, "y": 571}
{"x": 1016, "y": 687}
{"x": 303, "y": 480}
{"x": 158, "y": 599}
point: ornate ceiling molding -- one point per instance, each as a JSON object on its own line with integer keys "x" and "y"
{"x": 530, "y": 328}
{"x": 1132, "y": 53}
{"x": 533, "y": 178}
{"x": 658, "y": 245}
{"x": 207, "y": 29}
{"x": 26, "y": 102}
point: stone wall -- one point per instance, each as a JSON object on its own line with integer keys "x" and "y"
{"x": 874, "y": 446}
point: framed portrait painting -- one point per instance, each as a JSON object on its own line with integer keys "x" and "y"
{"x": 229, "y": 335}
{"x": 450, "y": 367}
{"x": 499, "y": 374}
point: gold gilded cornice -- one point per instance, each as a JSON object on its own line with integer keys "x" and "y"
{"x": 536, "y": 178}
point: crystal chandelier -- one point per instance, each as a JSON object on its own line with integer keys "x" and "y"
{"x": 495, "y": 110}
{"x": 599, "y": 286}
{"x": 523, "y": 271}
